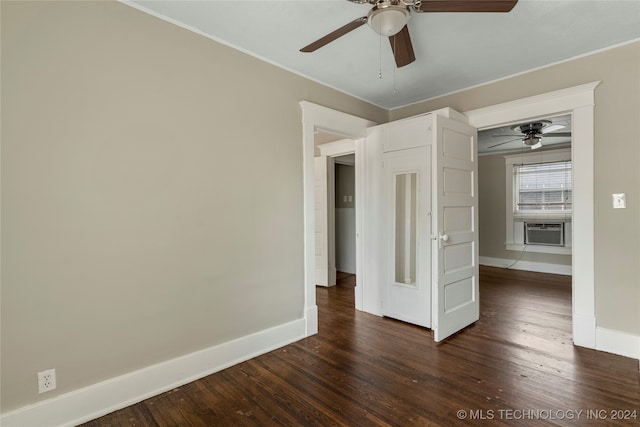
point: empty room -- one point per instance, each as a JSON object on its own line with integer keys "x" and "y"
{"x": 169, "y": 213}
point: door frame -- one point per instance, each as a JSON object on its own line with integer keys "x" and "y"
{"x": 318, "y": 118}
{"x": 579, "y": 101}
{"x": 325, "y": 257}
{"x": 329, "y": 152}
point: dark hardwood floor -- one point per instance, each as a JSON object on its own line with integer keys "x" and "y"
{"x": 515, "y": 366}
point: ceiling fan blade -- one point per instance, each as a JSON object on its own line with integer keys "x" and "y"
{"x": 402, "y": 47}
{"x": 552, "y": 128}
{"x": 334, "y": 35}
{"x": 506, "y": 142}
{"x": 467, "y": 5}
{"x": 557, "y": 135}
{"x": 546, "y": 135}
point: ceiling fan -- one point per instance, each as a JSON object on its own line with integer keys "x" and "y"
{"x": 532, "y": 133}
{"x": 389, "y": 19}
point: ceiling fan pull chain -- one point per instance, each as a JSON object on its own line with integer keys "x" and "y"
{"x": 395, "y": 89}
{"x": 394, "y": 68}
{"x": 380, "y": 58}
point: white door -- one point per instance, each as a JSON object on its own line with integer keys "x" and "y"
{"x": 408, "y": 270}
{"x": 455, "y": 288}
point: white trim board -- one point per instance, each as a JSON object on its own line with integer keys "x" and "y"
{"x": 540, "y": 249}
{"x": 337, "y": 148}
{"x": 617, "y": 342}
{"x": 94, "y": 401}
{"x": 538, "y": 267}
{"x": 318, "y": 118}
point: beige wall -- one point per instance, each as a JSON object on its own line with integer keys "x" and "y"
{"x": 131, "y": 233}
{"x": 617, "y": 155}
{"x": 492, "y": 217}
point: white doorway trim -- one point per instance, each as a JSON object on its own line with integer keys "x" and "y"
{"x": 579, "y": 101}
{"x": 328, "y": 153}
{"x": 318, "y": 118}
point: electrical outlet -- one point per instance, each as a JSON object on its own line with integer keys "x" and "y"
{"x": 46, "y": 380}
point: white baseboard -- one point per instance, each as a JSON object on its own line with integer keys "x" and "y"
{"x": 539, "y": 267}
{"x": 584, "y": 330}
{"x": 617, "y": 342}
{"x": 311, "y": 322}
{"x": 116, "y": 393}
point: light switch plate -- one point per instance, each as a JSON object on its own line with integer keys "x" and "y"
{"x": 619, "y": 201}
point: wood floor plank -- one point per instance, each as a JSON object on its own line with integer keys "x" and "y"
{"x": 515, "y": 366}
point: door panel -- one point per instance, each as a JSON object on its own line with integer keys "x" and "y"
{"x": 458, "y": 294}
{"x": 457, "y": 182}
{"x": 458, "y": 218}
{"x": 458, "y": 257}
{"x": 408, "y": 188}
{"x": 407, "y": 133}
{"x": 455, "y": 289}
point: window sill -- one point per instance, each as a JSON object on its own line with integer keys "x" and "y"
{"x": 557, "y": 250}
{"x": 542, "y": 217}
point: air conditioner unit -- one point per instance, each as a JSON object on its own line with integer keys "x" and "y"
{"x": 544, "y": 233}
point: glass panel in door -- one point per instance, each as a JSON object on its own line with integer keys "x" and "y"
{"x": 405, "y": 228}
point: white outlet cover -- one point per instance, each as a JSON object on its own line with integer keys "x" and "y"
{"x": 619, "y": 200}
{"x": 46, "y": 380}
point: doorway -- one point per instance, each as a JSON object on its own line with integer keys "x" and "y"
{"x": 345, "y": 217}
{"x": 523, "y": 189}
{"x": 525, "y": 218}
{"x": 578, "y": 101}
{"x": 335, "y": 204}
{"x": 316, "y": 118}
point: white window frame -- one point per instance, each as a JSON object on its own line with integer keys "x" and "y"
{"x": 514, "y": 239}
{"x": 532, "y": 214}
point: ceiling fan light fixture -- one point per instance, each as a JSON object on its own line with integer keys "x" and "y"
{"x": 538, "y": 145}
{"x": 533, "y": 140}
{"x": 387, "y": 19}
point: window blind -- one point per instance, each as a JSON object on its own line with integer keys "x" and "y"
{"x": 543, "y": 187}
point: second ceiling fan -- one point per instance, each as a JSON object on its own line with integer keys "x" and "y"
{"x": 532, "y": 133}
{"x": 389, "y": 19}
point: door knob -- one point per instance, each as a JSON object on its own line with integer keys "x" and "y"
{"x": 443, "y": 238}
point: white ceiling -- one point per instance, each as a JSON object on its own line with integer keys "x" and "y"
{"x": 453, "y": 50}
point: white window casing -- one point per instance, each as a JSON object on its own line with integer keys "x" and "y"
{"x": 544, "y": 205}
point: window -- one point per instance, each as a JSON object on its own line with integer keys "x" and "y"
{"x": 539, "y": 190}
{"x": 542, "y": 188}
